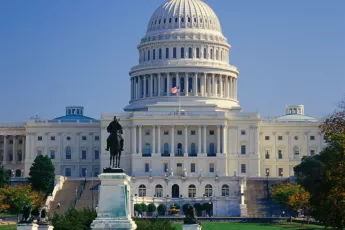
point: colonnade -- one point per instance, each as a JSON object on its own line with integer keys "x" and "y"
{"x": 201, "y": 148}
{"x": 16, "y": 150}
{"x": 198, "y": 84}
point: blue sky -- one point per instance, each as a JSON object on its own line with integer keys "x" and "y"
{"x": 58, "y": 53}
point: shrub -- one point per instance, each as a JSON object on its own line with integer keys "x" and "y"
{"x": 184, "y": 208}
{"x": 161, "y": 209}
{"x": 155, "y": 224}
{"x": 198, "y": 208}
{"x": 143, "y": 207}
{"x": 151, "y": 208}
{"x": 79, "y": 219}
{"x": 137, "y": 208}
{"x": 207, "y": 207}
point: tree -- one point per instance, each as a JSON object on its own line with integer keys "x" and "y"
{"x": 79, "y": 219}
{"x": 5, "y": 176}
{"x": 207, "y": 207}
{"x": 185, "y": 208}
{"x": 300, "y": 201}
{"x": 151, "y": 208}
{"x": 198, "y": 208}
{"x": 42, "y": 174}
{"x": 13, "y": 198}
{"x": 143, "y": 207}
{"x": 282, "y": 192}
{"x": 161, "y": 209}
{"x": 137, "y": 208}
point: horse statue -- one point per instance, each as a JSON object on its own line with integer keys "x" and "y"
{"x": 26, "y": 217}
{"x": 115, "y": 143}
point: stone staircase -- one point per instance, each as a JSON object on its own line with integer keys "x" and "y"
{"x": 91, "y": 189}
{"x": 258, "y": 203}
{"x": 66, "y": 197}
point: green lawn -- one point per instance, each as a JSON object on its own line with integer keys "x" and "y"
{"x": 244, "y": 226}
{"x": 8, "y": 227}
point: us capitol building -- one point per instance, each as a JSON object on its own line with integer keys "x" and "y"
{"x": 197, "y": 144}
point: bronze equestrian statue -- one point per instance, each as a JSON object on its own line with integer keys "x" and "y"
{"x": 115, "y": 142}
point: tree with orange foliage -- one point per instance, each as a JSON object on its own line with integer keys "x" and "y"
{"x": 13, "y": 198}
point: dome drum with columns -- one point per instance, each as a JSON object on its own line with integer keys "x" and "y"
{"x": 184, "y": 47}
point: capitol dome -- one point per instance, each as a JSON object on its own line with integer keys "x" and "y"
{"x": 184, "y": 14}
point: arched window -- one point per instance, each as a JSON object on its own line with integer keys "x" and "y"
{"x": 296, "y": 150}
{"x": 225, "y": 190}
{"x": 208, "y": 190}
{"x": 193, "y": 149}
{"x": 174, "y": 52}
{"x": 148, "y": 55}
{"x": 182, "y": 52}
{"x": 182, "y": 87}
{"x": 160, "y": 53}
{"x": 147, "y": 150}
{"x": 179, "y": 149}
{"x": 68, "y": 153}
{"x": 190, "y": 52}
{"x": 205, "y": 53}
{"x": 173, "y": 81}
{"x": 197, "y": 53}
{"x": 166, "y": 53}
{"x": 159, "y": 191}
{"x": 211, "y": 52}
{"x": 142, "y": 190}
{"x": 192, "y": 191}
{"x": 166, "y": 149}
{"x": 190, "y": 84}
{"x": 154, "y": 54}
{"x": 182, "y": 19}
{"x": 18, "y": 173}
{"x": 211, "y": 150}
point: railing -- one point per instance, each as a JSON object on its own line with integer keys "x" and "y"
{"x": 79, "y": 193}
{"x": 49, "y": 122}
{"x": 12, "y": 125}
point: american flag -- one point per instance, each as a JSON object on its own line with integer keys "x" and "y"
{"x": 175, "y": 90}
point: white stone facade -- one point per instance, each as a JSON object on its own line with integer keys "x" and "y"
{"x": 197, "y": 146}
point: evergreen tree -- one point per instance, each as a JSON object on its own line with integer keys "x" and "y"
{"x": 42, "y": 174}
{"x": 5, "y": 176}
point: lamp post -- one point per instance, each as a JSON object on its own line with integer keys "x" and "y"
{"x": 268, "y": 191}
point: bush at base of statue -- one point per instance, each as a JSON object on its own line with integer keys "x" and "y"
{"x": 154, "y": 224}
{"x": 79, "y": 219}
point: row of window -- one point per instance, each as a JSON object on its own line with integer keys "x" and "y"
{"x": 280, "y": 172}
{"x": 180, "y": 151}
{"x": 179, "y": 168}
{"x": 11, "y": 142}
{"x": 83, "y": 172}
{"x": 19, "y": 156}
{"x": 179, "y": 132}
{"x": 280, "y": 138}
{"x": 52, "y": 138}
{"x": 158, "y": 54}
{"x": 208, "y": 191}
{"x": 181, "y": 19}
{"x": 295, "y": 150}
{"x": 68, "y": 154}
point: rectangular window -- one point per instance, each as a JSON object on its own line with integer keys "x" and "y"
{"x": 147, "y": 167}
{"x": 267, "y": 155}
{"x": 95, "y": 172}
{"x": 280, "y": 171}
{"x": 312, "y": 138}
{"x": 39, "y": 152}
{"x": 39, "y": 138}
{"x": 280, "y": 138}
{"x": 96, "y": 138}
{"x": 267, "y": 138}
{"x": 83, "y": 155}
{"x": 243, "y": 168}
{"x": 179, "y": 132}
{"x": 20, "y": 142}
{"x": 312, "y": 152}
{"x": 11, "y": 141}
{"x": 147, "y": 133}
{"x": 166, "y": 132}
{"x": 165, "y": 167}
{"x": 167, "y": 53}
{"x": 192, "y": 167}
{"x": 52, "y": 138}
{"x": 154, "y": 54}
{"x": 52, "y": 154}
{"x": 211, "y": 167}
{"x": 243, "y": 132}
{"x": 211, "y": 132}
{"x": 280, "y": 154}
{"x": 96, "y": 154}
{"x": 68, "y": 172}
{"x": 83, "y": 138}
{"x": 192, "y": 132}
{"x": 83, "y": 172}
{"x": 243, "y": 149}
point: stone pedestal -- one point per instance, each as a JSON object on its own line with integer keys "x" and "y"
{"x": 243, "y": 208}
{"x": 114, "y": 204}
{"x": 45, "y": 227}
{"x": 27, "y": 226}
{"x": 191, "y": 227}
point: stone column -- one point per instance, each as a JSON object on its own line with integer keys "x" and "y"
{"x": 186, "y": 140}
{"x": 159, "y": 140}
{"x": 134, "y": 139}
{"x": 196, "y": 84}
{"x": 235, "y": 89}
{"x": 228, "y": 138}
{"x": 14, "y": 150}
{"x": 140, "y": 144}
{"x": 159, "y": 85}
{"x": 178, "y": 81}
{"x": 24, "y": 150}
{"x": 231, "y": 89}
{"x": 145, "y": 89}
{"x": 214, "y": 90}
{"x": 205, "y": 133}
{"x": 151, "y": 85}
{"x": 139, "y": 87}
{"x": 225, "y": 137}
{"x": 153, "y": 139}
{"x": 172, "y": 140}
{"x": 168, "y": 85}
{"x": 186, "y": 85}
{"x": 199, "y": 140}
{"x": 218, "y": 139}
{"x": 203, "y": 85}
{"x": 5, "y": 150}
{"x": 46, "y": 136}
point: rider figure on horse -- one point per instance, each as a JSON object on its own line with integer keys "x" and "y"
{"x": 114, "y": 128}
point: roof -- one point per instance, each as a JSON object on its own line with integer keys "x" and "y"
{"x": 74, "y": 117}
{"x": 296, "y": 117}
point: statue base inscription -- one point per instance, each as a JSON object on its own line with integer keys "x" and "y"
{"x": 31, "y": 226}
{"x": 114, "y": 204}
{"x": 191, "y": 227}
